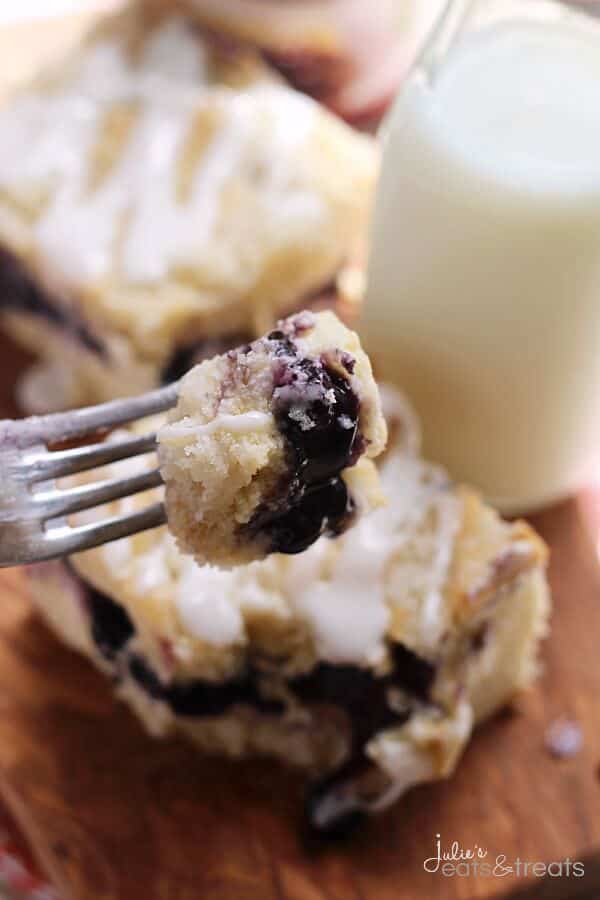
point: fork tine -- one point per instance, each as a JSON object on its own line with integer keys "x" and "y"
{"x": 62, "y": 541}
{"x": 80, "y": 422}
{"x": 53, "y": 503}
{"x": 43, "y": 466}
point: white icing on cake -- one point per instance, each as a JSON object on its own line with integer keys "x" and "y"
{"x": 346, "y": 606}
{"x": 204, "y": 607}
{"x": 396, "y": 559}
{"x": 134, "y": 222}
{"x": 189, "y": 429}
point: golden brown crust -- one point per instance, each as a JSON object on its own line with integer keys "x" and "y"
{"x": 489, "y": 554}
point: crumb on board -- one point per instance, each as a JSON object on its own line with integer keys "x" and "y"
{"x": 564, "y": 738}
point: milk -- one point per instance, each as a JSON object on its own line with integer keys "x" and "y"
{"x": 484, "y": 278}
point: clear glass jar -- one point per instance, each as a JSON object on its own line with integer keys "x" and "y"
{"x": 484, "y": 277}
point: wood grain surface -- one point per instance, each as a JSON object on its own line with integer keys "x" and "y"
{"x": 111, "y": 813}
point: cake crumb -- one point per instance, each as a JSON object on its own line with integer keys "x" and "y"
{"x": 564, "y": 738}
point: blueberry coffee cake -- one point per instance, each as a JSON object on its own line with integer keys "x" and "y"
{"x": 366, "y": 660}
{"x": 162, "y": 194}
{"x": 269, "y": 445}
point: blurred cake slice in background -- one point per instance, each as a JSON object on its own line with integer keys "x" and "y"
{"x": 366, "y": 660}
{"x": 164, "y": 194}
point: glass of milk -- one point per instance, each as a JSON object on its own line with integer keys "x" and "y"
{"x": 483, "y": 297}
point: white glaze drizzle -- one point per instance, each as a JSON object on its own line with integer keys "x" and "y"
{"x": 347, "y": 603}
{"x": 134, "y": 222}
{"x": 188, "y": 429}
{"x": 344, "y": 590}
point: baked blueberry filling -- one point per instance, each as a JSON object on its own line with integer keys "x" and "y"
{"x": 321, "y": 509}
{"x": 411, "y": 672}
{"x": 110, "y": 625}
{"x": 20, "y": 292}
{"x": 317, "y": 411}
{"x": 200, "y": 698}
{"x": 334, "y": 805}
{"x": 361, "y": 694}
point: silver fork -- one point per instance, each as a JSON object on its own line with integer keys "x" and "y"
{"x": 32, "y": 508}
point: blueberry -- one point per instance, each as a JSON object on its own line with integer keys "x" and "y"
{"x": 205, "y": 698}
{"x": 317, "y": 411}
{"x": 198, "y": 698}
{"x": 146, "y": 678}
{"x": 318, "y": 414}
{"x": 21, "y": 293}
{"x": 362, "y": 695}
{"x": 412, "y": 672}
{"x": 325, "y": 508}
{"x": 111, "y": 626}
